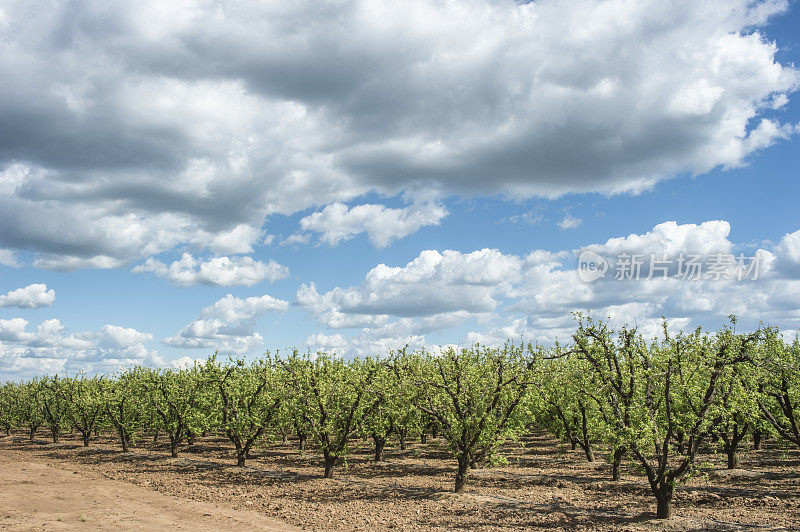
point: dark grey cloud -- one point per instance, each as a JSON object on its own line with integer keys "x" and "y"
{"x": 172, "y": 124}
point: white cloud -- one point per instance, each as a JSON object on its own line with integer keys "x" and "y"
{"x": 383, "y": 225}
{"x": 789, "y": 247}
{"x": 532, "y": 217}
{"x": 531, "y": 298}
{"x": 220, "y": 271}
{"x": 8, "y": 258}
{"x": 147, "y": 128}
{"x": 233, "y": 309}
{"x": 113, "y": 336}
{"x": 238, "y": 240}
{"x": 32, "y": 296}
{"x": 362, "y": 344}
{"x": 214, "y": 335}
{"x": 296, "y": 239}
{"x": 433, "y": 283}
{"x": 51, "y": 349}
{"x": 569, "y": 222}
{"x": 228, "y": 325}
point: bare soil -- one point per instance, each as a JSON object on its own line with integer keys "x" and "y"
{"x": 544, "y": 486}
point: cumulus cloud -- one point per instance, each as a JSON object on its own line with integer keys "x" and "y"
{"x": 228, "y": 325}
{"x": 50, "y": 348}
{"x": 532, "y": 297}
{"x": 220, "y": 271}
{"x": 32, "y": 296}
{"x": 433, "y": 283}
{"x": 338, "y": 222}
{"x": 144, "y": 127}
{"x": 233, "y": 309}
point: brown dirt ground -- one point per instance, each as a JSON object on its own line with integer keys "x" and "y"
{"x": 544, "y": 486}
{"x": 39, "y": 493}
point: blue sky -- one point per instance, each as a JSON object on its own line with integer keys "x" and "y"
{"x": 177, "y": 181}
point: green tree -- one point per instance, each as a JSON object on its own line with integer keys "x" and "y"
{"x": 29, "y": 411}
{"x": 55, "y": 404}
{"x": 125, "y": 405}
{"x": 473, "y": 393}
{"x": 8, "y": 406}
{"x": 250, "y": 398}
{"x": 736, "y": 412}
{"x": 332, "y": 394}
{"x": 175, "y": 398}
{"x": 85, "y": 404}
{"x": 651, "y": 393}
{"x": 778, "y": 384}
{"x": 567, "y": 394}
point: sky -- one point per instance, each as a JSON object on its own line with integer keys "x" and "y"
{"x": 188, "y": 177}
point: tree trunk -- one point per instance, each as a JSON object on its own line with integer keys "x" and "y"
{"x": 619, "y": 453}
{"x": 756, "y": 440}
{"x": 380, "y": 443}
{"x": 664, "y": 497}
{"x": 32, "y": 433}
{"x": 461, "y": 474}
{"x": 330, "y": 461}
{"x": 123, "y": 440}
{"x": 587, "y": 450}
{"x": 733, "y": 458}
{"x": 86, "y": 436}
{"x": 423, "y": 438}
{"x": 54, "y": 434}
{"x": 573, "y": 443}
{"x": 681, "y": 439}
{"x": 403, "y": 434}
{"x": 173, "y": 447}
{"x": 301, "y": 438}
{"x": 155, "y": 436}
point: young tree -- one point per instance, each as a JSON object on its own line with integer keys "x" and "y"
{"x": 84, "y": 404}
{"x": 28, "y": 404}
{"x": 8, "y": 406}
{"x": 736, "y": 412}
{"x": 382, "y": 417}
{"x": 778, "y": 385}
{"x": 175, "y": 397}
{"x": 294, "y": 417}
{"x": 650, "y": 393}
{"x": 331, "y": 393}
{"x": 250, "y": 398}
{"x": 55, "y": 405}
{"x": 125, "y": 406}
{"x": 566, "y": 392}
{"x": 473, "y": 393}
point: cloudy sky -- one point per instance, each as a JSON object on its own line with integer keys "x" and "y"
{"x": 182, "y": 177}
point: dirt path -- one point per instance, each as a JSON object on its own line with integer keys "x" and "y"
{"x": 47, "y": 496}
